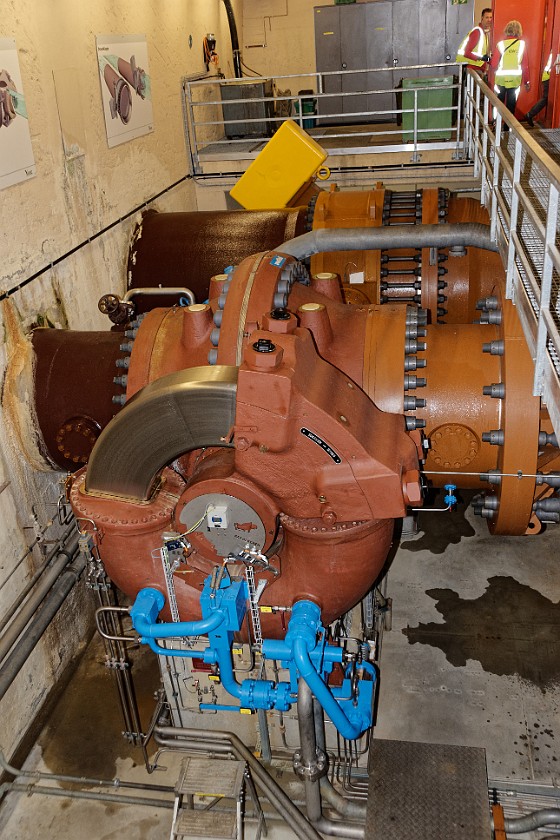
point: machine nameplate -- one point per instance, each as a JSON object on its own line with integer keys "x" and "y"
{"x": 322, "y": 443}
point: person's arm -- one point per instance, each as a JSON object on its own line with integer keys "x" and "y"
{"x": 471, "y": 44}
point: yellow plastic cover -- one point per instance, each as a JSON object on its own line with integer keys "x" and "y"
{"x": 287, "y": 162}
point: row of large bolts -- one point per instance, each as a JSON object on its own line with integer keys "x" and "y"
{"x": 408, "y": 205}
{"x": 397, "y": 208}
{"x": 547, "y": 510}
{"x": 123, "y": 362}
{"x": 487, "y": 505}
{"x": 415, "y": 324}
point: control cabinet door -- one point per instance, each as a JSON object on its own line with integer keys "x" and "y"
{"x": 379, "y": 35}
{"x": 328, "y": 59}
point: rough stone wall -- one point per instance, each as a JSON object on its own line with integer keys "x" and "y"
{"x": 77, "y": 192}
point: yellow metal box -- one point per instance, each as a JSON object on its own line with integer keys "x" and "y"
{"x": 286, "y": 163}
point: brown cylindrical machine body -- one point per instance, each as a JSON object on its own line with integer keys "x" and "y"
{"x": 74, "y": 388}
{"x": 187, "y": 249}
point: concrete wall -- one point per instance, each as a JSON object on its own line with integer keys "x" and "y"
{"x": 279, "y": 37}
{"x": 71, "y": 199}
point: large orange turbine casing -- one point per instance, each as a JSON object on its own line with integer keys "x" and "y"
{"x": 316, "y": 451}
{"x": 319, "y": 437}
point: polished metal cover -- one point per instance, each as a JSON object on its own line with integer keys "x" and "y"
{"x": 173, "y": 415}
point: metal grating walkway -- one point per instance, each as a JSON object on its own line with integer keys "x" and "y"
{"x": 427, "y": 792}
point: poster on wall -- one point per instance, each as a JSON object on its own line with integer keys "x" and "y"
{"x": 125, "y": 86}
{"x": 16, "y": 153}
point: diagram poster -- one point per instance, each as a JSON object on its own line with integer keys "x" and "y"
{"x": 125, "y": 86}
{"x": 16, "y": 153}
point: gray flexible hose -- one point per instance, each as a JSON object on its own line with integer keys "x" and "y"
{"x": 530, "y": 822}
{"x": 469, "y": 234}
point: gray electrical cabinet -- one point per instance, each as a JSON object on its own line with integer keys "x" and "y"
{"x": 380, "y": 37}
{"x": 252, "y": 116}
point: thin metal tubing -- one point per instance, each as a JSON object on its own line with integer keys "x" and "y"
{"x": 346, "y": 807}
{"x": 37, "y": 775}
{"x": 14, "y": 787}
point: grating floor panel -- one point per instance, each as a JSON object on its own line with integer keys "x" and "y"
{"x": 427, "y": 792}
{"x": 208, "y": 824}
{"x": 211, "y": 777}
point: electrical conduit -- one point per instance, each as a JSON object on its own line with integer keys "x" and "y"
{"x": 387, "y": 238}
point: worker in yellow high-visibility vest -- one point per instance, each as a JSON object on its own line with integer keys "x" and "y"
{"x": 509, "y": 61}
{"x": 543, "y": 101}
{"x": 474, "y": 50}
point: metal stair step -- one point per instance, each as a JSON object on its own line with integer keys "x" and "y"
{"x": 210, "y": 777}
{"x": 194, "y": 824}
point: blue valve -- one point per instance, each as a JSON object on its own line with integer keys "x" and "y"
{"x": 450, "y": 499}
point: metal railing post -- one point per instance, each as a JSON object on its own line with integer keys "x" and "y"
{"x": 514, "y": 209}
{"x": 546, "y": 288}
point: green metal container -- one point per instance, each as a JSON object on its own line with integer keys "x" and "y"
{"x": 439, "y": 94}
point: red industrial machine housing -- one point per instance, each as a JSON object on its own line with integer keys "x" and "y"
{"x": 297, "y": 413}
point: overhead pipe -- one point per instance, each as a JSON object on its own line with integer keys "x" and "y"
{"x": 320, "y": 241}
{"x": 277, "y": 797}
{"x": 234, "y": 40}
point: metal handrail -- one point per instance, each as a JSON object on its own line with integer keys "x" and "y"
{"x": 520, "y": 187}
{"x": 205, "y": 124}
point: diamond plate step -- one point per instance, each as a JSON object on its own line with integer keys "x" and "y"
{"x": 427, "y": 792}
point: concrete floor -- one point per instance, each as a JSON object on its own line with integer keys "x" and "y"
{"x": 473, "y": 658}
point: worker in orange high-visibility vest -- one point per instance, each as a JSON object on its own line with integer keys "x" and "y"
{"x": 509, "y": 61}
{"x": 474, "y": 50}
{"x": 543, "y": 101}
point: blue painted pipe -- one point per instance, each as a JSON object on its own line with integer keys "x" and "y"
{"x": 322, "y": 692}
{"x": 148, "y": 605}
{"x": 187, "y": 653}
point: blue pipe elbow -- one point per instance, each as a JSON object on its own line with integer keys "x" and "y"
{"x": 348, "y": 729}
{"x": 148, "y": 605}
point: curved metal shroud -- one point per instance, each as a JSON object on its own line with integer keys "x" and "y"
{"x": 187, "y": 410}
